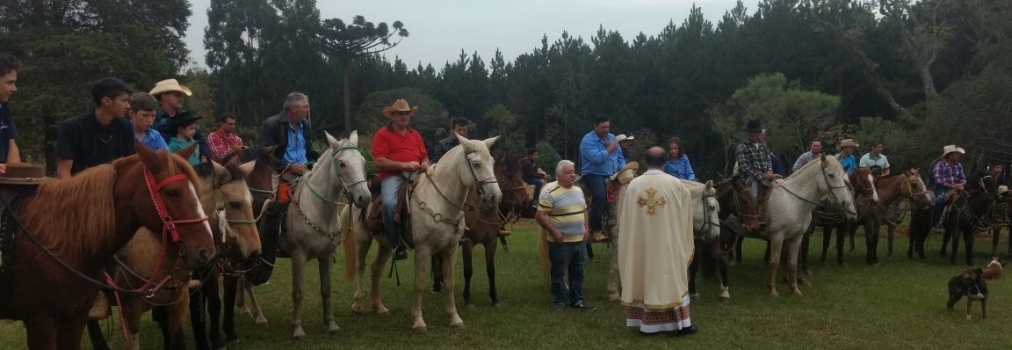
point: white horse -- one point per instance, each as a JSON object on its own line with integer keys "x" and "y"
{"x": 436, "y": 223}
{"x": 705, "y": 227}
{"x": 789, "y": 207}
{"x": 313, "y": 226}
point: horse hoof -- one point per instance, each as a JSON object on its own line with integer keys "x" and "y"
{"x": 244, "y": 311}
{"x": 459, "y": 325}
{"x": 496, "y": 305}
{"x": 334, "y": 330}
{"x": 420, "y": 328}
{"x": 469, "y": 307}
{"x": 261, "y": 321}
{"x": 355, "y": 309}
{"x": 299, "y": 335}
{"x": 773, "y": 293}
{"x": 797, "y": 292}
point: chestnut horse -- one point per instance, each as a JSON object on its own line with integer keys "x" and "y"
{"x": 483, "y": 227}
{"x": 71, "y": 228}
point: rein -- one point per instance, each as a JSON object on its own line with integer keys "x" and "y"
{"x": 438, "y": 217}
{"x": 327, "y": 200}
{"x": 832, "y": 195}
{"x": 166, "y": 232}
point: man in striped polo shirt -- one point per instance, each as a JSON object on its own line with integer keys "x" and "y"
{"x": 562, "y": 212}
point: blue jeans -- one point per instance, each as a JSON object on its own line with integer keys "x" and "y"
{"x": 936, "y": 217}
{"x": 567, "y": 257}
{"x": 536, "y": 181}
{"x": 595, "y": 184}
{"x": 390, "y": 190}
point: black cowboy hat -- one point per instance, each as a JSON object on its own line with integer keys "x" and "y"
{"x": 182, "y": 119}
{"x": 754, "y": 125}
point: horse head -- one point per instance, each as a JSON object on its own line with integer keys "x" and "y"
{"x": 863, "y": 181}
{"x": 915, "y": 189}
{"x": 170, "y": 204}
{"x": 711, "y": 213}
{"x": 346, "y": 161}
{"x": 835, "y": 185}
{"x": 511, "y": 183}
{"x": 743, "y": 205}
{"x": 236, "y": 210}
{"x": 258, "y": 181}
{"x": 479, "y": 164}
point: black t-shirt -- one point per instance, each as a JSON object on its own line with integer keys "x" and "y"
{"x": 8, "y": 130}
{"x": 89, "y": 144}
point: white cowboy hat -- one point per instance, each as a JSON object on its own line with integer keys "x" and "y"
{"x": 169, "y": 85}
{"x": 1002, "y": 189}
{"x": 848, "y": 143}
{"x": 952, "y": 148}
{"x": 399, "y": 106}
{"x": 622, "y": 137}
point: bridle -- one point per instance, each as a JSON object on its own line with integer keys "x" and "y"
{"x": 326, "y": 200}
{"x": 835, "y": 201}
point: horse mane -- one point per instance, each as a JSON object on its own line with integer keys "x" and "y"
{"x": 695, "y": 188}
{"x": 204, "y": 169}
{"x": 512, "y": 164}
{"x": 259, "y": 154}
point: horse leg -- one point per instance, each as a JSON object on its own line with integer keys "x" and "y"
{"x": 449, "y": 256}
{"x": 298, "y": 269}
{"x": 363, "y": 242}
{"x": 197, "y": 303}
{"x": 945, "y": 239}
{"x": 827, "y": 236}
{"x": 852, "y": 233}
{"x": 377, "y": 272}
{"x": 776, "y": 244}
{"x": 214, "y": 309}
{"x": 614, "y": 279}
{"x": 841, "y": 236}
{"x": 891, "y": 232}
{"x": 326, "y": 265}
{"x": 41, "y": 334}
{"x": 177, "y": 321}
{"x": 737, "y": 248}
{"x": 995, "y": 232}
{"x": 437, "y": 277}
{"x": 257, "y": 312}
{"x": 493, "y": 292}
{"x": 98, "y": 341}
{"x": 955, "y": 243}
{"x": 803, "y": 257}
{"x": 871, "y": 232}
{"x": 69, "y": 335}
{"x": 693, "y": 269}
{"x": 422, "y": 255}
{"x": 721, "y": 270}
{"x": 467, "y": 252}
{"x": 240, "y": 303}
{"x": 131, "y": 310}
{"x": 792, "y": 264}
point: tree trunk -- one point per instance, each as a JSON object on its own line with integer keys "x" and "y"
{"x": 347, "y": 94}
{"x": 924, "y": 68}
{"x": 876, "y": 83}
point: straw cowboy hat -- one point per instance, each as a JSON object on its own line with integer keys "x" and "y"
{"x": 24, "y": 174}
{"x": 847, "y": 143}
{"x": 627, "y": 173}
{"x": 399, "y": 106}
{"x": 168, "y": 85}
{"x": 952, "y": 148}
{"x": 622, "y": 137}
{"x": 754, "y": 125}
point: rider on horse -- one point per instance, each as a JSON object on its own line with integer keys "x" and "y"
{"x": 948, "y": 175}
{"x": 397, "y": 148}
{"x": 754, "y": 162}
{"x": 875, "y": 160}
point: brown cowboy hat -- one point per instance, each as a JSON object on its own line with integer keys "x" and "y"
{"x": 399, "y": 106}
{"x": 169, "y": 85}
{"x": 24, "y": 174}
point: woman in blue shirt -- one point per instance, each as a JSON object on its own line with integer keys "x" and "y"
{"x": 678, "y": 163}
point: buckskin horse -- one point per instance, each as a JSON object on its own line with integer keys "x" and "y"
{"x": 483, "y": 227}
{"x": 436, "y": 224}
{"x": 69, "y": 229}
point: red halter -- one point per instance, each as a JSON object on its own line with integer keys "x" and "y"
{"x": 169, "y": 224}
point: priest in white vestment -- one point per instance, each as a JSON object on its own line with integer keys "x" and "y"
{"x": 655, "y": 248}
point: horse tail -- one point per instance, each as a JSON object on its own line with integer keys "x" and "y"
{"x": 350, "y": 244}
{"x": 543, "y": 260}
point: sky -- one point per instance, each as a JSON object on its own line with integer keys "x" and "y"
{"x": 439, "y": 29}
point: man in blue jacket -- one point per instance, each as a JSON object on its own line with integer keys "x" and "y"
{"x": 599, "y": 156}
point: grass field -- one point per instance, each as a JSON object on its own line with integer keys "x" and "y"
{"x": 899, "y": 304}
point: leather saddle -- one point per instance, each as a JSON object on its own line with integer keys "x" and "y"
{"x": 373, "y": 221}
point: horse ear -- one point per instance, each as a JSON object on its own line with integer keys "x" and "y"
{"x": 490, "y": 141}
{"x": 187, "y": 151}
{"x": 149, "y": 157}
{"x": 247, "y": 168}
{"x": 221, "y": 174}
{"x": 331, "y": 140}
{"x": 270, "y": 149}
{"x": 353, "y": 138}
{"x": 709, "y": 186}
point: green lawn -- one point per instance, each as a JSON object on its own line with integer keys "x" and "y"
{"x": 897, "y": 305}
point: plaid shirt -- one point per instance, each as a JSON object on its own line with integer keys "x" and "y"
{"x": 949, "y": 175}
{"x": 221, "y": 145}
{"x": 753, "y": 161}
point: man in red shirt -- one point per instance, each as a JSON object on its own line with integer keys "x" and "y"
{"x": 397, "y": 148}
{"x": 224, "y": 140}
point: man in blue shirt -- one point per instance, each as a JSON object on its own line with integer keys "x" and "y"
{"x": 846, "y": 155}
{"x": 9, "y": 66}
{"x": 599, "y": 154}
{"x": 290, "y": 133}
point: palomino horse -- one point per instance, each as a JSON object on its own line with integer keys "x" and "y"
{"x": 436, "y": 224}
{"x": 69, "y": 229}
{"x": 967, "y": 213}
{"x": 139, "y": 262}
{"x": 789, "y": 211}
{"x": 313, "y": 225}
{"x": 483, "y": 227}
{"x": 206, "y": 302}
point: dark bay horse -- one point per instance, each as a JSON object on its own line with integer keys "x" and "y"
{"x": 738, "y": 216}
{"x": 69, "y": 230}
{"x": 483, "y": 227}
{"x": 968, "y": 212}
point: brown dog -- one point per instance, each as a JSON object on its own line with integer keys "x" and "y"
{"x": 994, "y": 269}
{"x": 972, "y": 285}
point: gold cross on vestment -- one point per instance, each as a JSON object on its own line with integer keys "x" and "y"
{"x": 650, "y": 202}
